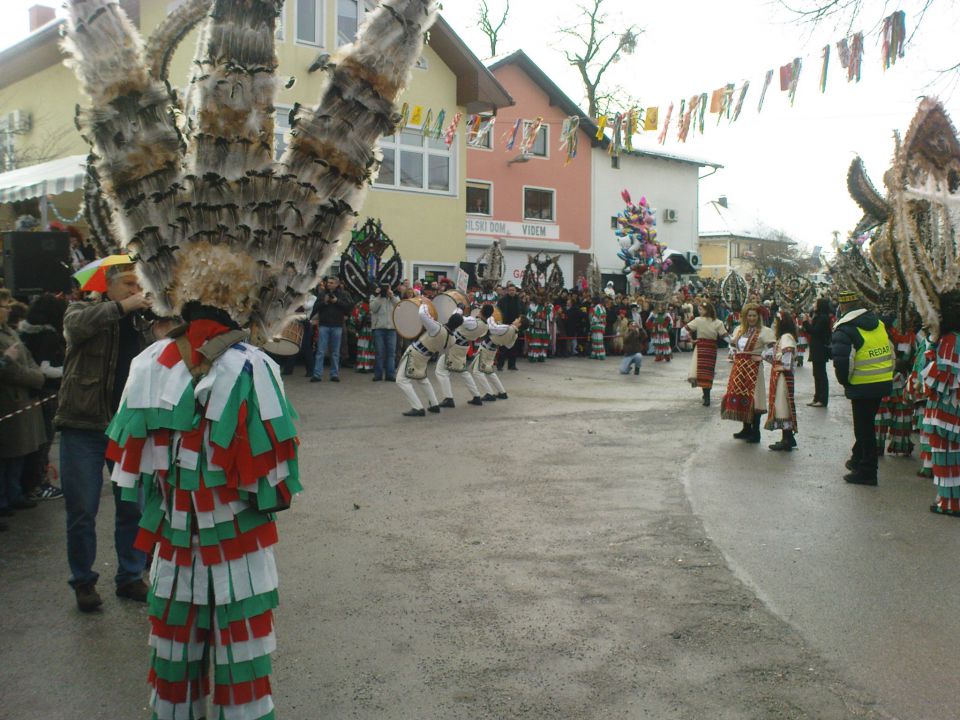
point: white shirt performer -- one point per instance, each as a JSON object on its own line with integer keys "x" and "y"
{"x": 454, "y": 358}
{"x": 484, "y": 366}
{"x": 413, "y": 364}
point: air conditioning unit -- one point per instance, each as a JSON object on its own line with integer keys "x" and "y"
{"x": 669, "y": 215}
{"x": 694, "y": 260}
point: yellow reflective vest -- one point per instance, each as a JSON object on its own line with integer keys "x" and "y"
{"x": 873, "y": 362}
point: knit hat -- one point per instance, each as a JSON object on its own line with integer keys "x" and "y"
{"x": 848, "y": 296}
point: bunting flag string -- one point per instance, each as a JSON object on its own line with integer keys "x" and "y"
{"x": 666, "y": 125}
{"x": 894, "y": 36}
{"x": 823, "y": 70}
{"x": 702, "y": 111}
{"x": 451, "y": 130}
{"x": 530, "y": 131}
{"x": 438, "y": 127}
{"x": 743, "y": 94}
{"x": 617, "y": 136}
{"x": 481, "y": 130}
{"x": 569, "y": 138}
{"x": 416, "y": 116}
{"x": 427, "y": 123}
{"x": 763, "y": 93}
{"x": 683, "y": 122}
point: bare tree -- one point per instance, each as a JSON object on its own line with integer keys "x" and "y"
{"x": 489, "y": 27}
{"x": 599, "y": 47}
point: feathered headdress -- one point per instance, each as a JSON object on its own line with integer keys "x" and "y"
{"x": 195, "y": 192}
{"x": 924, "y": 187}
{"x": 734, "y": 290}
{"x": 542, "y": 275}
{"x": 491, "y": 267}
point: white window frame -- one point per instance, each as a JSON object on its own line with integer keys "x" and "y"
{"x": 553, "y": 209}
{"x": 362, "y": 11}
{"x": 392, "y": 142}
{"x": 546, "y": 137}
{"x": 281, "y": 31}
{"x": 280, "y": 111}
{"x": 489, "y": 188}
{"x": 321, "y": 24}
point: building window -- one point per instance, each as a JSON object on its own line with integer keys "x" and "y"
{"x": 615, "y": 162}
{"x": 309, "y": 22}
{"x": 541, "y": 142}
{"x": 735, "y": 250}
{"x": 479, "y": 198}
{"x": 485, "y": 138}
{"x": 538, "y": 204}
{"x": 349, "y": 18}
{"x": 413, "y": 162}
{"x": 281, "y": 130}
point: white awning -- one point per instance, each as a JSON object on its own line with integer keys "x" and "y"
{"x": 50, "y": 178}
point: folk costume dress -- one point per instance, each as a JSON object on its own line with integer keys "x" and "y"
{"x": 917, "y": 394}
{"x": 660, "y": 324}
{"x": 783, "y": 410}
{"x": 598, "y": 325}
{"x": 941, "y": 420}
{"x": 204, "y": 427}
{"x": 366, "y": 353}
{"x": 746, "y": 394}
{"x": 703, "y": 366}
{"x": 803, "y": 343}
{"x": 539, "y": 316}
{"x": 895, "y": 416}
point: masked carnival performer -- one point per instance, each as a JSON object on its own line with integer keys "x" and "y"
{"x": 484, "y": 366}
{"x": 360, "y": 320}
{"x": 703, "y": 366}
{"x": 894, "y": 423}
{"x": 231, "y": 243}
{"x": 660, "y": 324}
{"x": 598, "y": 325}
{"x": 539, "y": 317}
{"x": 783, "y": 409}
{"x": 454, "y": 358}
{"x": 746, "y": 397}
{"x": 416, "y": 360}
{"x": 923, "y": 354}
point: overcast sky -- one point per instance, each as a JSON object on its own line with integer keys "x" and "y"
{"x": 787, "y": 166}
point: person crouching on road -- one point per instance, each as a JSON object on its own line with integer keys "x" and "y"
{"x": 632, "y": 349}
{"x": 863, "y": 360}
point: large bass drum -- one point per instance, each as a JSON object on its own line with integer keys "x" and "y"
{"x": 288, "y": 342}
{"x": 497, "y": 315}
{"x": 406, "y": 317}
{"x": 447, "y": 304}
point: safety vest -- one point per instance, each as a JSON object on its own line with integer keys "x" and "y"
{"x": 873, "y": 362}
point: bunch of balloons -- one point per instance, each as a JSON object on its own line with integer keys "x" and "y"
{"x": 637, "y": 235}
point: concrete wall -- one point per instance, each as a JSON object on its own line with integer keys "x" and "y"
{"x": 665, "y": 183}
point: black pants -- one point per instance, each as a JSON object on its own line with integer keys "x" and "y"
{"x": 821, "y": 385}
{"x": 864, "y": 451}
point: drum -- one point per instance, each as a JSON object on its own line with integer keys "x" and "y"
{"x": 447, "y": 304}
{"x": 406, "y": 317}
{"x": 497, "y": 315}
{"x": 288, "y": 342}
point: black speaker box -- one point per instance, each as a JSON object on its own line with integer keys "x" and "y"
{"x": 36, "y": 262}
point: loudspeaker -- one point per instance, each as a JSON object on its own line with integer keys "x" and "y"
{"x": 36, "y": 262}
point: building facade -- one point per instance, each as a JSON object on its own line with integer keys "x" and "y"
{"x": 731, "y": 240}
{"x": 419, "y": 194}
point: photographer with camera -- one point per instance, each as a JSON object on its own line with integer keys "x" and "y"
{"x": 382, "y": 303}
{"x": 329, "y": 311}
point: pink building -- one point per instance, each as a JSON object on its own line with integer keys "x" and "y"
{"x": 536, "y": 201}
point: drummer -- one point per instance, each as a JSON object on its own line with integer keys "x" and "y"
{"x": 484, "y": 365}
{"x": 454, "y": 358}
{"x": 413, "y": 363}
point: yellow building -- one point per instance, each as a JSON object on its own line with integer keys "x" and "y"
{"x": 418, "y": 196}
{"x": 730, "y": 241}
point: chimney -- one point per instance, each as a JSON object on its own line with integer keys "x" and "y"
{"x": 40, "y": 15}
{"x": 722, "y": 201}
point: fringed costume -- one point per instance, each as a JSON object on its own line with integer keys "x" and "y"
{"x": 942, "y": 423}
{"x": 923, "y": 355}
{"x": 360, "y": 320}
{"x": 230, "y": 241}
{"x": 598, "y": 324}
{"x": 660, "y": 324}
{"x": 895, "y": 417}
{"x": 539, "y": 316}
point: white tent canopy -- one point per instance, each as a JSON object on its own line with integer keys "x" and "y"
{"x": 50, "y": 178}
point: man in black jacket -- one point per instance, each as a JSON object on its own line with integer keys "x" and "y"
{"x": 818, "y": 330}
{"x": 510, "y": 309}
{"x": 863, "y": 361}
{"x": 329, "y": 311}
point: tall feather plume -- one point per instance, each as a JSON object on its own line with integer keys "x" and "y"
{"x": 168, "y": 35}
{"x": 924, "y": 187}
{"x": 734, "y": 290}
{"x": 491, "y": 267}
{"x": 213, "y": 219}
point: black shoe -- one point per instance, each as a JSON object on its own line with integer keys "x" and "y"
{"x": 780, "y": 445}
{"x": 856, "y": 478}
{"x": 502, "y": 396}
{"x": 435, "y": 409}
{"x": 793, "y": 441}
{"x": 137, "y": 590}
{"x": 743, "y": 434}
{"x": 376, "y": 379}
{"x": 706, "y": 401}
{"x": 447, "y": 403}
{"x": 752, "y": 438}
{"x": 489, "y": 398}
{"x": 314, "y": 378}
{"x": 24, "y": 504}
{"x": 415, "y": 413}
{"x": 511, "y": 366}
{"x": 391, "y": 379}
{"x": 334, "y": 379}
{"x": 851, "y": 465}
{"x": 88, "y": 599}
{"x": 308, "y": 374}
{"x": 475, "y": 401}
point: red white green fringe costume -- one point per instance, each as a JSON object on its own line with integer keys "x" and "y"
{"x": 895, "y": 416}
{"x": 660, "y": 326}
{"x": 916, "y": 391}
{"x": 539, "y": 315}
{"x": 366, "y": 355}
{"x": 598, "y": 326}
{"x": 941, "y": 420}
{"x": 208, "y": 454}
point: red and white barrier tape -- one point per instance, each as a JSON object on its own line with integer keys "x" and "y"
{"x": 32, "y": 405}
